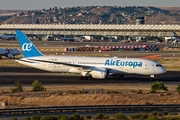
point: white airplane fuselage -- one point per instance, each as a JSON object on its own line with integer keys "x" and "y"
{"x": 115, "y": 65}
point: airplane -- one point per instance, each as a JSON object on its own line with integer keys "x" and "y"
{"x": 87, "y": 67}
{"x": 68, "y": 39}
{"x": 8, "y": 37}
{"x": 9, "y": 52}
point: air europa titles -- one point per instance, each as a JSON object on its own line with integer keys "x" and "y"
{"x": 123, "y": 63}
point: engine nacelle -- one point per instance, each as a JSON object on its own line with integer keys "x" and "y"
{"x": 100, "y": 73}
{"x": 9, "y": 55}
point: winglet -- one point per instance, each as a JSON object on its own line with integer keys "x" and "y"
{"x": 28, "y": 48}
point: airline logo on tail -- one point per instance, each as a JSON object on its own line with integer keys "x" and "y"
{"x": 27, "y": 47}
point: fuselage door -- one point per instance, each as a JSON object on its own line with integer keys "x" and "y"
{"x": 44, "y": 65}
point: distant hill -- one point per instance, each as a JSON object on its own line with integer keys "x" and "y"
{"x": 95, "y": 15}
{"x": 6, "y": 14}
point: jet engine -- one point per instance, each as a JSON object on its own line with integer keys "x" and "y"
{"x": 9, "y": 55}
{"x": 100, "y": 73}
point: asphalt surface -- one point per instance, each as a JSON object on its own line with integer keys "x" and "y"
{"x": 8, "y": 75}
{"x": 51, "y": 44}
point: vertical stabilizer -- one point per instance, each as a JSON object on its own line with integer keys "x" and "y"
{"x": 28, "y": 48}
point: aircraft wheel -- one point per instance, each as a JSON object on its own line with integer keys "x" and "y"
{"x": 81, "y": 78}
{"x": 0, "y": 57}
{"x": 90, "y": 77}
{"x": 85, "y": 77}
{"x": 122, "y": 75}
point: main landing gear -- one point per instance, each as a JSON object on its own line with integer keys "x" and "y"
{"x": 121, "y": 76}
{"x": 85, "y": 77}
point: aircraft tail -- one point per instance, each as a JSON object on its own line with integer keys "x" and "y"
{"x": 175, "y": 34}
{"x": 28, "y": 48}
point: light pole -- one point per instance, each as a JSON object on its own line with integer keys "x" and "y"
{"x": 64, "y": 25}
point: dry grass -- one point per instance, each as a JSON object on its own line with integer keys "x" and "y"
{"x": 170, "y": 63}
{"x": 70, "y": 95}
{"x": 170, "y": 8}
{"x": 10, "y": 62}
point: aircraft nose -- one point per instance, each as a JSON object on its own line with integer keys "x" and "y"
{"x": 164, "y": 70}
{"x": 161, "y": 70}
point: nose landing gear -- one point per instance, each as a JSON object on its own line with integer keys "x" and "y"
{"x": 151, "y": 77}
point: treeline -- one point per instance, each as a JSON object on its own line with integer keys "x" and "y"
{"x": 119, "y": 116}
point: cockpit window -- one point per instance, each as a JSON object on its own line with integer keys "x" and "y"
{"x": 158, "y": 65}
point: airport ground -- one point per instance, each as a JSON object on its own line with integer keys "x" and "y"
{"x": 64, "y": 89}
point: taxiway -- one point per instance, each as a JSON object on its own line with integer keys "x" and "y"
{"x": 27, "y": 75}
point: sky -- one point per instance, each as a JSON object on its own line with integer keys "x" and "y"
{"x": 40, "y": 4}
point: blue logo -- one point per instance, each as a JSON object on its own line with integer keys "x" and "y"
{"x": 123, "y": 63}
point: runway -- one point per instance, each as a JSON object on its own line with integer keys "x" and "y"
{"x": 9, "y": 75}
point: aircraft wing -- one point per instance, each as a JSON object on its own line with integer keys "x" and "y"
{"x": 63, "y": 63}
{"x": 3, "y": 52}
{"x": 84, "y": 67}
